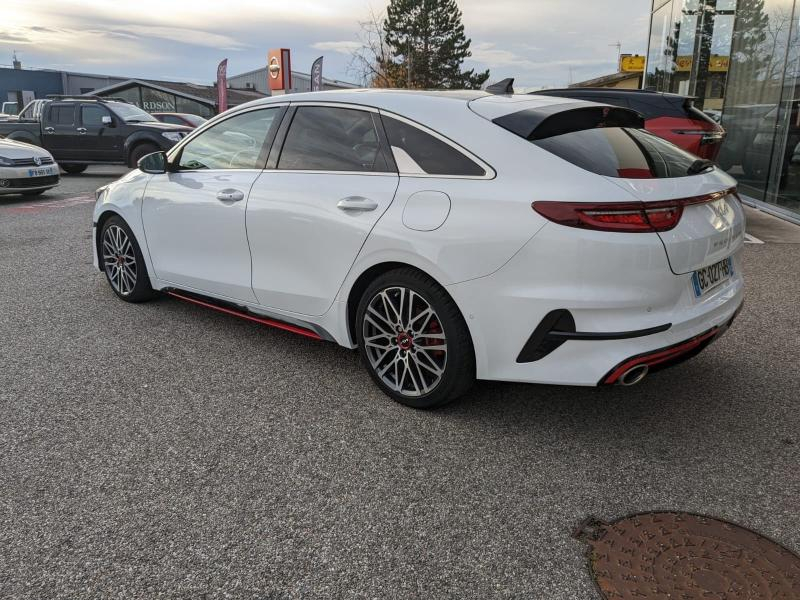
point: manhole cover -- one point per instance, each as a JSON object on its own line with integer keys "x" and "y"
{"x": 687, "y": 557}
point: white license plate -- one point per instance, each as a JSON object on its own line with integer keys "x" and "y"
{"x": 43, "y": 172}
{"x": 707, "y": 278}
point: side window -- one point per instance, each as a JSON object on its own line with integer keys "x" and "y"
{"x": 93, "y": 115}
{"x": 416, "y": 151}
{"x": 171, "y": 119}
{"x": 235, "y": 143}
{"x": 62, "y": 114}
{"x": 324, "y": 138}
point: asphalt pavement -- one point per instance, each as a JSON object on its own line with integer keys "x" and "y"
{"x": 163, "y": 450}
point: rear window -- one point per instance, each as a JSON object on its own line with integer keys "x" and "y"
{"x": 620, "y": 152}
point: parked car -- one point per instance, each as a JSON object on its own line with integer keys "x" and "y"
{"x": 26, "y": 169}
{"x": 741, "y": 125}
{"x": 670, "y": 116}
{"x": 83, "y": 130}
{"x": 759, "y": 152}
{"x": 447, "y": 235}
{"x": 180, "y": 119}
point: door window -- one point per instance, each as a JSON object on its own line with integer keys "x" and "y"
{"x": 62, "y": 114}
{"x": 416, "y": 151}
{"x": 235, "y": 143}
{"x": 324, "y": 138}
{"x": 92, "y": 116}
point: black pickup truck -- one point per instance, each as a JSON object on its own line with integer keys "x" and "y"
{"x": 83, "y": 130}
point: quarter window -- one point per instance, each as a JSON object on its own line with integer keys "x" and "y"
{"x": 235, "y": 143}
{"x": 324, "y": 138}
{"x": 416, "y": 151}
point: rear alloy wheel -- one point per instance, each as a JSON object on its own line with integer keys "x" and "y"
{"x": 414, "y": 340}
{"x": 122, "y": 262}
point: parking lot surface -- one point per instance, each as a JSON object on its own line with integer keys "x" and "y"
{"x": 165, "y": 451}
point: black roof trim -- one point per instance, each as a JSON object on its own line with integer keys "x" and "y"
{"x": 558, "y": 119}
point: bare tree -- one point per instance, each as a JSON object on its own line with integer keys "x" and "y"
{"x": 369, "y": 60}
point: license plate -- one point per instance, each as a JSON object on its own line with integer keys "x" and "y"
{"x": 707, "y": 278}
{"x": 43, "y": 172}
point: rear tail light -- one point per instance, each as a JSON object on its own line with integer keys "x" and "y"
{"x": 627, "y": 217}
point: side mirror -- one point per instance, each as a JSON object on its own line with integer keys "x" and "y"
{"x": 107, "y": 120}
{"x": 155, "y": 163}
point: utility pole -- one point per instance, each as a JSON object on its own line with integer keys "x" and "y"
{"x": 618, "y": 46}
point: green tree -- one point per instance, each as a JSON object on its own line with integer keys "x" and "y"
{"x": 427, "y": 46}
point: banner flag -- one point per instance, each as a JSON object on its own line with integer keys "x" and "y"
{"x": 316, "y": 75}
{"x": 222, "y": 86}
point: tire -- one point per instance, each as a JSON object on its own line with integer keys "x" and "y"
{"x": 74, "y": 169}
{"x": 411, "y": 367}
{"x": 122, "y": 262}
{"x": 140, "y": 152}
{"x": 34, "y": 193}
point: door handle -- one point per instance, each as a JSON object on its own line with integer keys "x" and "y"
{"x": 81, "y": 130}
{"x": 49, "y": 129}
{"x": 230, "y": 195}
{"x": 357, "y": 203}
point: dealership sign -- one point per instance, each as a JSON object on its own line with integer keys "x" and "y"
{"x": 279, "y": 70}
{"x": 222, "y": 86}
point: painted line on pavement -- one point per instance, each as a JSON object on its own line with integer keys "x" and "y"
{"x": 35, "y": 207}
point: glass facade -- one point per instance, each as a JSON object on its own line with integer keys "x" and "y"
{"x": 153, "y": 100}
{"x": 739, "y": 59}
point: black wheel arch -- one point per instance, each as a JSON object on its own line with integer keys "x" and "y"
{"x": 137, "y": 139}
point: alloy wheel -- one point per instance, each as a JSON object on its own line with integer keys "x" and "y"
{"x": 119, "y": 260}
{"x": 404, "y": 341}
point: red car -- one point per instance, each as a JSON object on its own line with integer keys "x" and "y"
{"x": 180, "y": 119}
{"x": 670, "y": 116}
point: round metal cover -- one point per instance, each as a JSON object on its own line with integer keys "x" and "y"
{"x": 685, "y": 557}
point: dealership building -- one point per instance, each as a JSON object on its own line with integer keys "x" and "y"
{"x": 739, "y": 58}
{"x": 23, "y": 85}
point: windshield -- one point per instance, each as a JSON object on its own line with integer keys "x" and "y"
{"x": 130, "y": 113}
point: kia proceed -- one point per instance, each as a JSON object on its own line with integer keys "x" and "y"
{"x": 448, "y": 236}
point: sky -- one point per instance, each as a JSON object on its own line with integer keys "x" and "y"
{"x": 541, "y": 43}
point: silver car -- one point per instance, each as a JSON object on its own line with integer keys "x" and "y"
{"x": 26, "y": 169}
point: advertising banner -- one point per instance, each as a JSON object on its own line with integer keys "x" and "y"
{"x": 316, "y": 75}
{"x": 222, "y": 86}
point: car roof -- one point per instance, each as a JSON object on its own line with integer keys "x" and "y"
{"x": 401, "y": 101}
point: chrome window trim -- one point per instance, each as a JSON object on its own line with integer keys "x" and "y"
{"x": 490, "y": 173}
{"x": 322, "y": 172}
{"x": 172, "y": 152}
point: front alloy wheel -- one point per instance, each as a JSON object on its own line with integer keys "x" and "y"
{"x": 122, "y": 262}
{"x": 413, "y": 339}
{"x": 119, "y": 260}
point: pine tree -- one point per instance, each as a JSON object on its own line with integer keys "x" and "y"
{"x": 427, "y": 46}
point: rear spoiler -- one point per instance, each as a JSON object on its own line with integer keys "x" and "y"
{"x": 558, "y": 119}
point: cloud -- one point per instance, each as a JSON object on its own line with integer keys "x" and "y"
{"x": 344, "y": 47}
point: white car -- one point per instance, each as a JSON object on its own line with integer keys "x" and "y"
{"x": 26, "y": 169}
{"x": 447, "y": 235}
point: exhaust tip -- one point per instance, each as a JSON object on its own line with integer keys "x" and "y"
{"x": 633, "y": 375}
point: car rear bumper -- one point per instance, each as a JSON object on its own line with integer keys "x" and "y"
{"x": 619, "y": 288}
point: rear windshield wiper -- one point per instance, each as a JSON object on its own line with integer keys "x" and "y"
{"x": 698, "y": 166}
